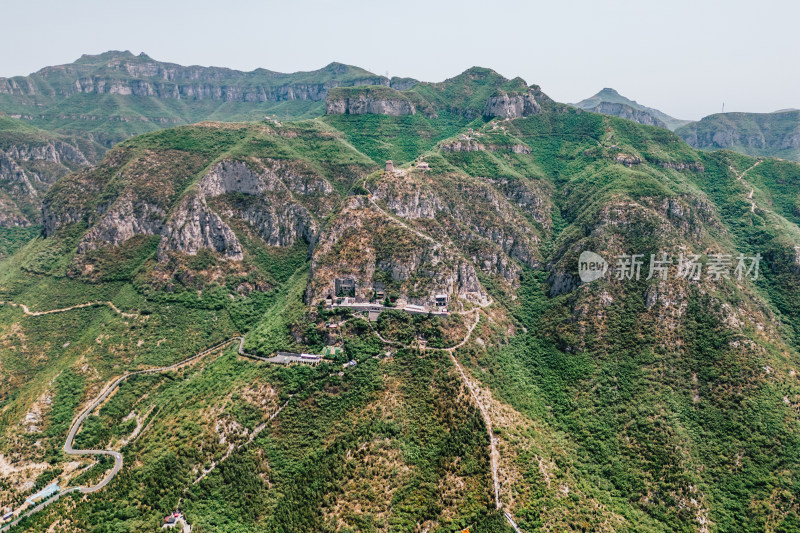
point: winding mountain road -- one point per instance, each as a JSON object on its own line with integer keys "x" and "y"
{"x": 69, "y": 448}
{"x": 68, "y": 445}
{"x": 107, "y": 391}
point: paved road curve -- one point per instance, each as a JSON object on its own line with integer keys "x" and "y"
{"x": 73, "y": 430}
{"x": 68, "y": 445}
{"x": 118, "y": 459}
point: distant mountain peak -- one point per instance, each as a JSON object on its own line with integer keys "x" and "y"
{"x": 479, "y": 73}
{"x": 109, "y": 55}
{"x": 336, "y": 67}
{"x": 610, "y": 101}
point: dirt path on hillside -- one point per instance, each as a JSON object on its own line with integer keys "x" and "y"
{"x": 78, "y": 306}
{"x": 494, "y": 454}
{"x": 740, "y": 177}
{"x": 110, "y": 388}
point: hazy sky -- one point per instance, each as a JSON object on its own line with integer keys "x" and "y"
{"x": 684, "y": 57}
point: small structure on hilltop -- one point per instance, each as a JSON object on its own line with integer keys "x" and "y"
{"x": 422, "y": 165}
{"x": 389, "y": 166}
{"x": 175, "y": 519}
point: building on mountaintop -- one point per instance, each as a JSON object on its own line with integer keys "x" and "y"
{"x": 389, "y": 166}
{"x": 422, "y": 165}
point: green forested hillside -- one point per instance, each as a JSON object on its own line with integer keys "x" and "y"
{"x": 618, "y": 405}
{"x": 755, "y": 134}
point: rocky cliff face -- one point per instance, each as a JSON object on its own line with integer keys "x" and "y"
{"x": 492, "y": 230}
{"x": 469, "y": 144}
{"x": 122, "y": 73}
{"x": 610, "y": 102}
{"x": 767, "y": 134}
{"x": 373, "y": 101}
{"x": 363, "y": 106}
{"x": 17, "y": 191}
{"x": 511, "y": 105}
{"x": 229, "y": 191}
{"x": 269, "y": 207}
{"x": 127, "y": 217}
{"x": 628, "y": 113}
{"x": 27, "y": 169}
{"x": 193, "y": 226}
{"x": 368, "y": 246}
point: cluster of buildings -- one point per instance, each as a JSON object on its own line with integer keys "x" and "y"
{"x": 288, "y": 358}
{"x": 173, "y": 519}
{"x": 346, "y": 294}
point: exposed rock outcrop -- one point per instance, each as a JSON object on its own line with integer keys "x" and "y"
{"x": 260, "y": 193}
{"x": 511, "y": 105}
{"x": 681, "y": 166}
{"x": 610, "y": 102}
{"x": 194, "y": 226}
{"x": 15, "y": 179}
{"x": 766, "y": 134}
{"x": 58, "y": 152}
{"x": 123, "y": 220}
{"x": 462, "y": 145}
{"x": 354, "y": 246}
{"x": 27, "y": 169}
{"x": 278, "y": 220}
{"x": 469, "y": 144}
{"x": 123, "y": 73}
{"x": 629, "y": 113}
{"x": 628, "y": 160}
{"x": 363, "y": 101}
{"x": 234, "y": 177}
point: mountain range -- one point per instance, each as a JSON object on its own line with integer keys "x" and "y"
{"x": 610, "y": 102}
{"x": 99, "y": 100}
{"x": 758, "y": 134}
{"x": 427, "y": 239}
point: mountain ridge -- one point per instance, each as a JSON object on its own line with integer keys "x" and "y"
{"x": 628, "y": 109}
{"x": 775, "y": 134}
